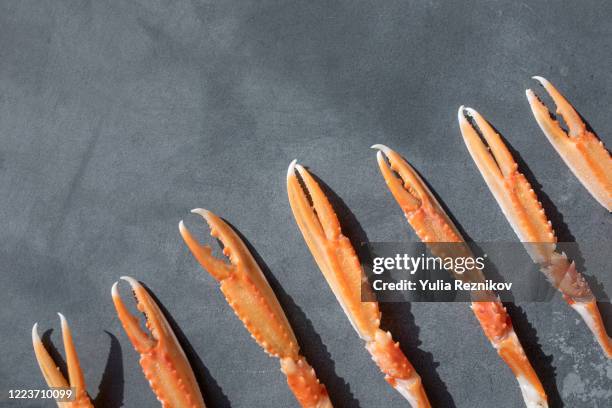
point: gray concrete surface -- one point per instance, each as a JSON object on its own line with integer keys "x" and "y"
{"x": 117, "y": 117}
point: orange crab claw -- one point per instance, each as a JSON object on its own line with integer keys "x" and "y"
{"x": 336, "y": 257}
{"x": 52, "y": 373}
{"x": 520, "y": 205}
{"x": 580, "y": 149}
{"x": 433, "y": 226}
{"x": 420, "y": 206}
{"x": 161, "y": 357}
{"x": 248, "y": 293}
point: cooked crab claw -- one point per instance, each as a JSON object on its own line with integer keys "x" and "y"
{"x": 53, "y": 375}
{"x": 248, "y": 293}
{"x": 336, "y": 257}
{"x": 510, "y": 188}
{"x": 433, "y": 226}
{"x": 161, "y": 357}
{"x": 580, "y": 149}
{"x": 421, "y": 208}
{"x": 525, "y": 214}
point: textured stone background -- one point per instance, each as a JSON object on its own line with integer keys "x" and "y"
{"x": 117, "y": 117}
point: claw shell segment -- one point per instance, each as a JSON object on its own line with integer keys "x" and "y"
{"x": 304, "y": 384}
{"x": 162, "y": 359}
{"x": 52, "y": 373}
{"x": 433, "y": 226}
{"x": 248, "y": 293}
{"x": 591, "y": 316}
{"x": 337, "y": 260}
{"x": 524, "y": 212}
{"x": 581, "y": 150}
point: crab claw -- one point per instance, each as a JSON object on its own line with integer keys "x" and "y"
{"x": 525, "y": 214}
{"x": 248, "y": 293}
{"x": 580, "y": 149}
{"x": 416, "y": 200}
{"x": 161, "y": 357}
{"x": 336, "y": 257}
{"x": 52, "y": 373}
{"x": 434, "y": 227}
{"x": 510, "y": 188}
{"x": 422, "y": 210}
